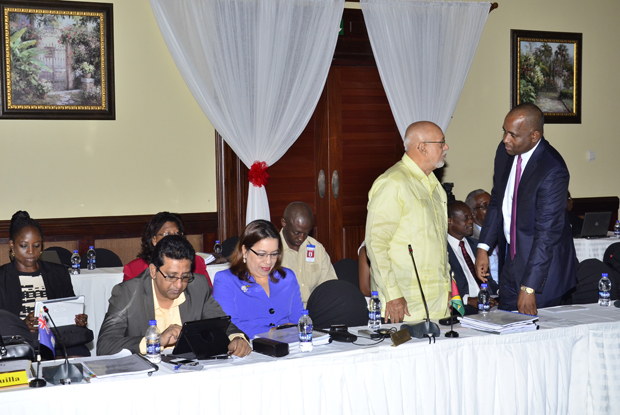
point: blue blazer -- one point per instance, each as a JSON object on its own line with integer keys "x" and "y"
{"x": 545, "y": 258}
{"x": 459, "y": 274}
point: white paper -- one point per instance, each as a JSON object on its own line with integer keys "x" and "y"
{"x": 62, "y": 310}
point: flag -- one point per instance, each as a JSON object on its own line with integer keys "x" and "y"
{"x": 46, "y": 337}
{"x": 456, "y": 301}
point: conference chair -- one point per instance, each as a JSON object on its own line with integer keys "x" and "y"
{"x": 228, "y": 246}
{"x": 104, "y": 259}
{"x": 347, "y": 270}
{"x": 337, "y": 302}
{"x": 63, "y": 254}
{"x": 612, "y": 257}
{"x": 588, "y": 275}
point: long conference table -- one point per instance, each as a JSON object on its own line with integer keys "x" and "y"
{"x": 570, "y": 366}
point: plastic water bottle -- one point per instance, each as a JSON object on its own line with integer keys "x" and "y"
{"x": 374, "y": 311}
{"x": 75, "y": 263}
{"x": 153, "y": 342}
{"x": 604, "y": 287}
{"x": 617, "y": 229}
{"x": 484, "y": 299}
{"x": 91, "y": 256}
{"x": 217, "y": 248}
{"x": 305, "y": 332}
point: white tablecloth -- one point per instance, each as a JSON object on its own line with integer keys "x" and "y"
{"x": 592, "y": 248}
{"x": 570, "y": 366}
{"x": 96, "y": 286}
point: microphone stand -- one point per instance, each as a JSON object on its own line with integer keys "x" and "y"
{"x": 425, "y": 329}
{"x": 37, "y": 382}
{"x": 452, "y": 333}
{"x": 65, "y": 373}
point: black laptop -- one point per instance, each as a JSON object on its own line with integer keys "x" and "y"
{"x": 595, "y": 225}
{"x": 203, "y": 339}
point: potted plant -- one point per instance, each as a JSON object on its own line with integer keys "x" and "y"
{"x": 87, "y": 69}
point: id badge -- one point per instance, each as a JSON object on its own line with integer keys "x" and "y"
{"x": 310, "y": 253}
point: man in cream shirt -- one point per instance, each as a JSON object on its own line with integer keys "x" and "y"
{"x": 302, "y": 253}
{"x": 407, "y": 205}
{"x": 167, "y": 292}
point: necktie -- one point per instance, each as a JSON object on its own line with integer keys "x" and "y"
{"x": 468, "y": 261}
{"x": 513, "y": 218}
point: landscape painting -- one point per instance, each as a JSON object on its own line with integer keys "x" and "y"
{"x": 546, "y": 71}
{"x": 58, "y": 60}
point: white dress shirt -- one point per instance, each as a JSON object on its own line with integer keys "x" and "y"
{"x": 471, "y": 281}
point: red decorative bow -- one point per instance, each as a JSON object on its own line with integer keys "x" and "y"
{"x": 258, "y": 174}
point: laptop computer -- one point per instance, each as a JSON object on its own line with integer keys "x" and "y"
{"x": 595, "y": 225}
{"x": 203, "y": 339}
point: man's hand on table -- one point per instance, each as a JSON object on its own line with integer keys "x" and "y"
{"x": 239, "y": 347}
{"x": 395, "y": 310}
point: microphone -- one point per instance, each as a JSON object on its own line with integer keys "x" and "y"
{"x": 425, "y": 329}
{"x": 65, "y": 373}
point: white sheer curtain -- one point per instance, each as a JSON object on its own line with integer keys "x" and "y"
{"x": 423, "y": 51}
{"x": 256, "y": 67}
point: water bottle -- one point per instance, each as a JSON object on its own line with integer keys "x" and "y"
{"x": 153, "y": 342}
{"x": 91, "y": 256}
{"x": 484, "y": 299}
{"x": 75, "y": 263}
{"x": 604, "y": 287}
{"x": 374, "y": 311}
{"x": 305, "y": 332}
{"x": 217, "y": 248}
{"x": 617, "y": 229}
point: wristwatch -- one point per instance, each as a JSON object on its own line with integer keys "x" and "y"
{"x": 527, "y": 289}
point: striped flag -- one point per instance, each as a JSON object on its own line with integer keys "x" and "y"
{"x": 455, "y": 300}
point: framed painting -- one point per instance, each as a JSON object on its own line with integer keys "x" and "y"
{"x": 58, "y": 60}
{"x": 546, "y": 71}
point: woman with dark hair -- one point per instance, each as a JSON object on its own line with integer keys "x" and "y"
{"x": 26, "y": 279}
{"x": 257, "y": 292}
{"x": 160, "y": 225}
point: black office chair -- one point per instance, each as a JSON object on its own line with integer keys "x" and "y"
{"x": 337, "y": 302}
{"x": 63, "y": 254}
{"x": 229, "y": 246}
{"x": 612, "y": 256}
{"x": 347, "y": 269}
{"x": 104, "y": 259}
{"x": 589, "y": 274}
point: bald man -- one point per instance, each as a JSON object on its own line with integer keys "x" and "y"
{"x": 302, "y": 253}
{"x": 527, "y": 217}
{"x": 407, "y": 205}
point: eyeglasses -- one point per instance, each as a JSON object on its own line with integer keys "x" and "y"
{"x": 274, "y": 255}
{"x": 185, "y": 280}
{"x": 442, "y": 143}
{"x": 163, "y": 235}
{"x": 483, "y": 207}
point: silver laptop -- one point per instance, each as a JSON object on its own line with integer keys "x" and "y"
{"x": 595, "y": 224}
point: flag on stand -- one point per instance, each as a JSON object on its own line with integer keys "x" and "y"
{"x": 46, "y": 337}
{"x": 455, "y": 300}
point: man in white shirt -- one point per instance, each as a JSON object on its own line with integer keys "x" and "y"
{"x": 461, "y": 254}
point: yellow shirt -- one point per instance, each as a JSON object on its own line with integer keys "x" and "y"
{"x": 407, "y": 207}
{"x": 310, "y": 274}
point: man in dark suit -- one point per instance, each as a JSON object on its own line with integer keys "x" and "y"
{"x": 539, "y": 265}
{"x": 461, "y": 248}
{"x": 167, "y": 292}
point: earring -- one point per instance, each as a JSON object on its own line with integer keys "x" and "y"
{"x": 12, "y": 254}
{"x": 244, "y": 260}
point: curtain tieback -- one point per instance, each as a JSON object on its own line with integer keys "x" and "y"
{"x": 258, "y": 174}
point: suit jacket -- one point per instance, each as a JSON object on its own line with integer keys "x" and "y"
{"x": 132, "y": 306}
{"x": 55, "y": 277}
{"x": 459, "y": 273}
{"x": 545, "y": 257}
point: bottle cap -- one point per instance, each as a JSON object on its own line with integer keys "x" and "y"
{"x": 374, "y": 293}
{"x": 304, "y": 312}
{"x": 483, "y": 285}
{"x": 152, "y": 322}
{"x": 604, "y": 275}
{"x": 91, "y": 247}
{"x": 217, "y": 242}
{"x": 75, "y": 252}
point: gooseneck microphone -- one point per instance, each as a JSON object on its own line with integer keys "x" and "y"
{"x": 65, "y": 373}
{"x": 425, "y": 329}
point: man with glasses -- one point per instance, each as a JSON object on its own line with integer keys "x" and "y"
{"x": 302, "y": 253}
{"x": 167, "y": 291}
{"x": 478, "y": 201}
{"x": 407, "y": 206}
{"x": 527, "y": 217}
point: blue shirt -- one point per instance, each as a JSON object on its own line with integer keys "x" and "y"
{"x": 251, "y": 309}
